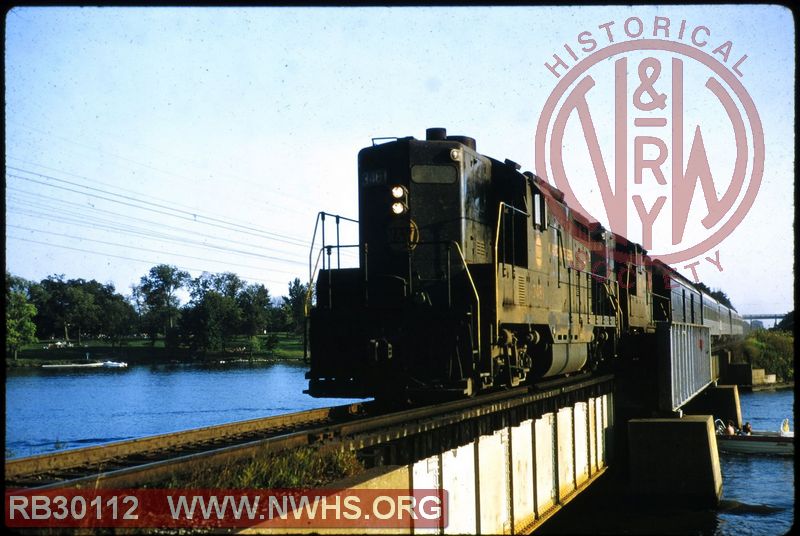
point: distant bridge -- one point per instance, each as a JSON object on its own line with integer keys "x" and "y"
{"x": 767, "y": 316}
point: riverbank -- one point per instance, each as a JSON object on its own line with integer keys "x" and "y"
{"x": 768, "y": 387}
{"x": 206, "y": 361}
{"x": 142, "y": 352}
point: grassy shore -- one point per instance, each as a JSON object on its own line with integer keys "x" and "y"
{"x": 143, "y": 351}
{"x": 300, "y": 467}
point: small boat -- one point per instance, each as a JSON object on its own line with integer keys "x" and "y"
{"x": 758, "y": 442}
{"x": 114, "y": 364}
{"x": 74, "y": 365}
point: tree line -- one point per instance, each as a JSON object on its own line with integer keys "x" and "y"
{"x": 221, "y": 307}
{"x": 717, "y": 294}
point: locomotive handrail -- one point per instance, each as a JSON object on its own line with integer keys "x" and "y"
{"x": 660, "y": 300}
{"x": 469, "y": 277}
{"x": 307, "y": 300}
{"x": 382, "y": 138}
{"x": 610, "y": 284}
{"x": 500, "y": 213}
{"x": 321, "y": 217}
{"x": 475, "y": 290}
{"x": 312, "y": 272}
{"x": 310, "y": 289}
{"x": 322, "y": 250}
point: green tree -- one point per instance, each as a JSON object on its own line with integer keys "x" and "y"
{"x": 208, "y": 321}
{"x": 20, "y": 328}
{"x": 51, "y": 301}
{"x": 255, "y": 304}
{"x": 717, "y": 294}
{"x": 159, "y": 300}
{"x": 117, "y": 315}
{"x": 254, "y": 345}
{"x": 213, "y": 316}
{"x": 294, "y": 305}
{"x": 771, "y": 350}
{"x": 82, "y": 310}
{"x": 225, "y": 284}
{"x": 280, "y": 316}
{"x": 787, "y": 322}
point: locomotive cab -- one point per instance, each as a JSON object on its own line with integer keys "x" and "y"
{"x": 407, "y": 319}
{"x": 417, "y": 199}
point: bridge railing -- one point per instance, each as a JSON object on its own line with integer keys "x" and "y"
{"x": 686, "y": 365}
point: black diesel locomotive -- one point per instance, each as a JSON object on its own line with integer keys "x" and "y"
{"x": 473, "y": 275}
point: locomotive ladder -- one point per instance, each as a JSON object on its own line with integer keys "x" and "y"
{"x": 614, "y": 304}
{"x": 475, "y": 320}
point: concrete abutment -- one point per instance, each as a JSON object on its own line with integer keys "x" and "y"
{"x": 675, "y": 460}
{"x": 721, "y": 401}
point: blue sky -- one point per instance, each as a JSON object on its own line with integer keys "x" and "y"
{"x": 209, "y": 138}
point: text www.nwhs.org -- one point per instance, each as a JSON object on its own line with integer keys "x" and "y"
{"x": 349, "y": 507}
{"x": 227, "y": 508}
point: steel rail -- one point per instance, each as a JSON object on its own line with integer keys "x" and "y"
{"x": 74, "y": 459}
{"x": 376, "y": 430}
{"x": 354, "y": 434}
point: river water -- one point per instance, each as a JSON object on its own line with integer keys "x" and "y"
{"x": 759, "y": 480}
{"x": 757, "y": 492}
{"x": 49, "y": 410}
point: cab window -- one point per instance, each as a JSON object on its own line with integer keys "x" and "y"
{"x": 427, "y": 174}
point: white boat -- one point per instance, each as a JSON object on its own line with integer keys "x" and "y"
{"x": 114, "y": 364}
{"x": 758, "y": 442}
{"x": 74, "y": 365}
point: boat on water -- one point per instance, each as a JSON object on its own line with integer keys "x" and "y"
{"x": 94, "y": 364}
{"x": 74, "y": 365}
{"x": 757, "y": 442}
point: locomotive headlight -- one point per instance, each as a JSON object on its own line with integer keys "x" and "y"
{"x": 399, "y": 200}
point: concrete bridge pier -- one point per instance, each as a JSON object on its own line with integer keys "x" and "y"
{"x": 721, "y": 401}
{"x": 675, "y": 460}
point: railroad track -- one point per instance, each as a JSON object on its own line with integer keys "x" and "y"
{"x": 79, "y": 466}
{"x": 355, "y": 426}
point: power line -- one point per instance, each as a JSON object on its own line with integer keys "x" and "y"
{"x": 270, "y": 236}
{"x": 187, "y": 215}
{"x": 142, "y": 261}
{"x": 39, "y": 196}
{"x": 137, "y": 201}
{"x": 187, "y": 179}
{"x": 95, "y": 181}
{"x": 158, "y": 237}
{"x": 128, "y": 246}
{"x": 194, "y": 214}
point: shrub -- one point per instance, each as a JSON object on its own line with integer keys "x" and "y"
{"x": 771, "y": 350}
